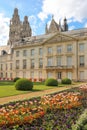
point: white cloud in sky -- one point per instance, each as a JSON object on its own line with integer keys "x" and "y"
{"x": 75, "y": 9}
{"x": 33, "y": 23}
{"x": 71, "y": 27}
{"x": 4, "y": 29}
{"x": 85, "y": 25}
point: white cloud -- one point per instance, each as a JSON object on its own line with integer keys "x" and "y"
{"x": 85, "y": 25}
{"x": 71, "y": 27}
{"x": 4, "y": 29}
{"x": 33, "y": 24}
{"x": 75, "y": 9}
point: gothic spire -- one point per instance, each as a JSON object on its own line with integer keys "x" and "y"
{"x": 53, "y": 26}
{"x": 46, "y": 29}
{"x": 65, "y": 25}
{"x": 16, "y": 18}
{"x": 27, "y": 32}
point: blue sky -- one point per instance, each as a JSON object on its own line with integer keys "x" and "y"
{"x": 40, "y": 12}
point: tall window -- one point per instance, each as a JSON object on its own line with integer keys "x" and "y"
{"x": 24, "y": 52}
{"x": 40, "y": 51}
{"x": 81, "y": 75}
{"x": 1, "y": 66}
{"x": 10, "y": 66}
{"x": 49, "y": 50}
{"x": 81, "y": 47}
{"x": 17, "y": 64}
{"x": 69, "y": 48}
{"x": 59, "y": 49}
{"x": 49, "y": 61}
{"x": 69, "y": 61}
{"x": 81, "y": 60}
{"x": 10, "y": 75}
{"x": 59, "y": 61}
{"x": 6, "y": 75}
{"x": 17, "y": 53}
{"x": 24, "y": 64}
{"x": 1, "y": 75}
{"x": 17, "y": 74}
{"x": 32, "y": 63}
{"x": 40, "y": 63}
{"x": 32, "y": 52}
{"x": 49, "y": 75}
{"x": 24, "y": 74}
{"x": 59, "y": 75}
{"x": 40, "y": 74}
{"x": 32, "y": 75}
{"x": 6, "y": 66}
{"x": 69, "y": 75}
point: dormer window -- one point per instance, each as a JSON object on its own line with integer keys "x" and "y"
{"x": 3, "y": 52}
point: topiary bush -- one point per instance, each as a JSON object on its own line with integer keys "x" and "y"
{"x": 51, "y": 82}
{"x": 15, "y": 79}
{"x": 23, "y": 84}
{"x": 66, "y": 81}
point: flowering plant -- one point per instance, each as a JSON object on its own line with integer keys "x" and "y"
{"x": 26, "y": 112}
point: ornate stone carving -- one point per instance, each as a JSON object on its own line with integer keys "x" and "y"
{"x": 18, "y": 29}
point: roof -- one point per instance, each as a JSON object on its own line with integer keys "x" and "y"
{"x": 53, "y": 26}
{"x": 7, "y": 49}
{"x": 34, "y": 39}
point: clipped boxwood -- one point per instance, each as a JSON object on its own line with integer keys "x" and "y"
{"x": 23, "y": 84}
{"x": 51, "y": 82}
{"x": 15, "y": 79}
{"x": 66, "y": 81}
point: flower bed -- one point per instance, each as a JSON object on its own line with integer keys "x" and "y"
{"x": 55, "y": 111}
{"x": 81, "y": 124}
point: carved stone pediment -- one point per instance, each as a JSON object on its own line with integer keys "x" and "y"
{"x": 59, "y": 38}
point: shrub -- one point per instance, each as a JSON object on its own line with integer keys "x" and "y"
{"x": 15, "y": 79}
{"x": 24, "y": 84}
{"x": 66, "y": 81}
{"x": 51, "y": 82}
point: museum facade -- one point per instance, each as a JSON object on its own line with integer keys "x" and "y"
{"x": 59, "y": 53}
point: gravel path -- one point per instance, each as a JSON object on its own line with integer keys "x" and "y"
{"x": 32, "y": 94}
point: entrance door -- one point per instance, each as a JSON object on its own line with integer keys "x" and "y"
{"x": 59, "y": 76}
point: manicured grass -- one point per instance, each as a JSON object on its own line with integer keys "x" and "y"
{"x": 8, "y": 88}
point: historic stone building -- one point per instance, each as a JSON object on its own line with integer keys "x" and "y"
{"x": 59, "y": 53}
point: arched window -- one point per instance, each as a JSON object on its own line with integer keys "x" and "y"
{"x": 1, "y": 75}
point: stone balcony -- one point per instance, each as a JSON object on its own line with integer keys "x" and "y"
{"x": 59, "y": 67}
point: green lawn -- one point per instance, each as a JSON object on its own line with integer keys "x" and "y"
{"x": 8, "y": 88}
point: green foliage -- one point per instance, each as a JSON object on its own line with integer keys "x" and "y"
{"x": 15, "y": 79}
{"x": 51, "y": 82}
{"x": 66, "y": 81}
{"x": 24, "y": 84}
{"x": 81, "y": 124}
{"x": 85, "y": 127}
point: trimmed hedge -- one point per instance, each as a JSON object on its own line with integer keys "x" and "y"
{"x": 51, "y": 82}
{"x": 81, "y": 124}
{"x": 24, "y": 84}
{"x": 66, "y": 81}
{"x": 15, "y": 79}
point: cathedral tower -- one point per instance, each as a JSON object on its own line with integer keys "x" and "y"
{"x": 26, "y": 32}
{"x": 15, "y": 28}
{"x": 18, "y": 30}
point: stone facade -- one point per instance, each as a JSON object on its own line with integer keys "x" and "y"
{"x": 18, "y": 30}
{"x": 58, "y": 54}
